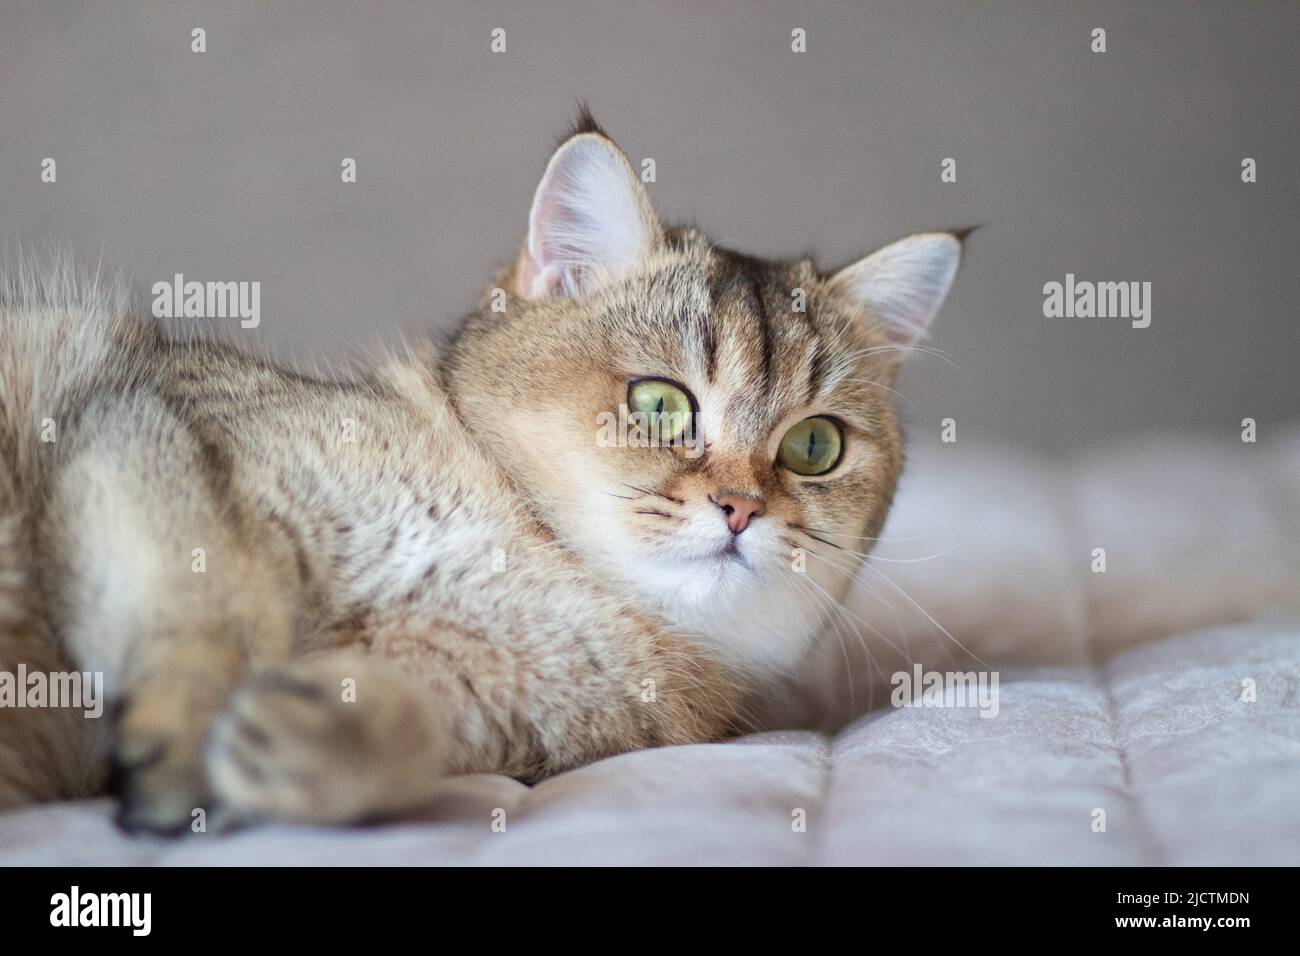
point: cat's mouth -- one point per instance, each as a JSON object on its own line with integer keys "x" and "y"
{"x": 726, "y": 555}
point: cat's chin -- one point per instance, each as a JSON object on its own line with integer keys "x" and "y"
{"x": 739, "y": 596}
{"x": 753, "y": 620}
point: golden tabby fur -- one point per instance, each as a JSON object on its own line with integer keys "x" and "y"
{"x": 313, "y": 600}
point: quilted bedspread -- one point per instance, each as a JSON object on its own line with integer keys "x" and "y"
{"x": 1140, "y": 607}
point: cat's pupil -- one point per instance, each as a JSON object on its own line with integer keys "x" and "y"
{"x": 812, "y": 443}
{"x": 659, "y": 409}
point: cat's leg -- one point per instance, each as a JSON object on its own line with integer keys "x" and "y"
{"x": 345, "y": 737}
{"x": 333, "y": 738}
{"x": 46, "y": 753}
{"x": 157, "y": 578}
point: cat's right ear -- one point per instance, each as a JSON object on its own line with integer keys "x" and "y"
{"x": 591, "y": 220}
{"x": 903, "y": 284}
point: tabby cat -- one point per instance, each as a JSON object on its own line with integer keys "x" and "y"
{"x": 313, "y": 600}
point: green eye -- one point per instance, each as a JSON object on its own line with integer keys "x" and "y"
{"x": 812, "y": 447}
{"x": 667, "y": 406}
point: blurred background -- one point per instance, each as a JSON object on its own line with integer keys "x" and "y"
{"x": 1122, "y": 166}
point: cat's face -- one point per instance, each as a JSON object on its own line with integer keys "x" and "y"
{"x": 713, "y": 433}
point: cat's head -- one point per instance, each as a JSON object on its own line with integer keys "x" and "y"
{"x": 740, "y": 500}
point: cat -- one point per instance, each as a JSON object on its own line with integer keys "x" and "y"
{"x": 313, "y": 600}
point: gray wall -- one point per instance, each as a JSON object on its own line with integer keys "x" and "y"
{"x": 1126, "y": 165}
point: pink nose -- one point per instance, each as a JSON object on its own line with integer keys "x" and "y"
{"x": 739, "y": 509}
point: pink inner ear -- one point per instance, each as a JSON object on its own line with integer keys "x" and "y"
{"x": 589, "y": 215}
{"x": 541, "y": 271}
{"x": 902, "y": 333}
{"x": 547, "y": 282}
{"x": 534, "y": 282}
{"x": 525, "y": 273}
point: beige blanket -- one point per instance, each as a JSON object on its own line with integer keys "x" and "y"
{"x": 1147, "y": 713}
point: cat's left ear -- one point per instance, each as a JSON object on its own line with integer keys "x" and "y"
{"x": 591, "y": 219}
{"x": 904, "y": 283}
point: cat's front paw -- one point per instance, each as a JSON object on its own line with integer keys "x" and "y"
{"x": 322, "y": 743}
{"x": 156, "y": 762}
